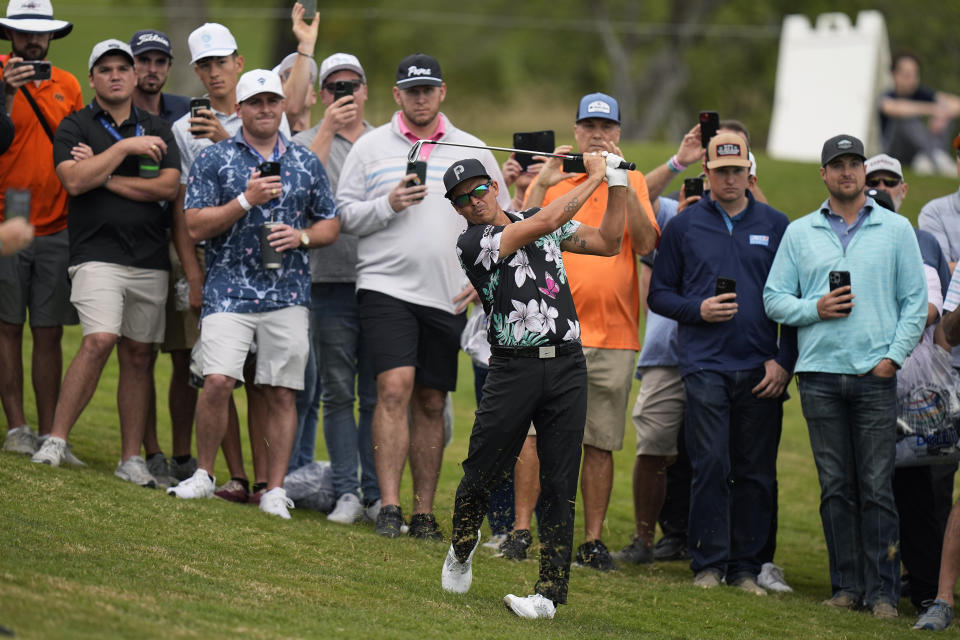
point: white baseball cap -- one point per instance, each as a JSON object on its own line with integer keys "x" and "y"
{"x": 340, "y": 62}
{"x": 210, "y": 40}
{"x": 259, "y": 81}
{"x": 109, "y": 46}
{"x": 33, "y": 16}
{"x": 883, "y": 162}
{"x": 287, "y": 63}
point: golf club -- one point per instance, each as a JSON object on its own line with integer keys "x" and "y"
{"x": 415, "y": 152}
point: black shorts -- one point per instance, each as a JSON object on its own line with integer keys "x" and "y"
{"x": 402, "y": 334}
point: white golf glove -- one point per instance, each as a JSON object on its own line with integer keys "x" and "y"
{"x": 616, "y": 177}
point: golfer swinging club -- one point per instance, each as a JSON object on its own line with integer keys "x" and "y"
{"x": 537, "y": 368}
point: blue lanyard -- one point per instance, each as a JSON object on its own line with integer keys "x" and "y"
{"x": 113, "y": 131}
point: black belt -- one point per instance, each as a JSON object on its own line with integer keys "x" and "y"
{"x": 551, "y": 351}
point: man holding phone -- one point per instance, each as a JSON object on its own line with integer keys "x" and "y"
{"x": 606, "y": 294}
{"x": 229, "y": 199}
{"x": 734, "y": 369}
{"x": 341, "y": 369}
{"x": 851, "y": 342}
{"x": 411, "y": 291}
{"x": 36, "y": 278}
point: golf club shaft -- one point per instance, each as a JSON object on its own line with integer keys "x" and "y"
{"x": 415, "y": 151}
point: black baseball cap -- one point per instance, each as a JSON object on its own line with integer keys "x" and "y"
{"x": 882, "y": 198}
{"x": 150, "y": 40}
{"x": 463, "y": 170}
{"x": 842, "y": 145}
{"x": 417, "y": 70}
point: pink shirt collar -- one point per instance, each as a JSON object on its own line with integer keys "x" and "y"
{"x": 438, "y": 133}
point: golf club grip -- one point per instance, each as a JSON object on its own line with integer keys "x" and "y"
{"x": 629, "y": 166}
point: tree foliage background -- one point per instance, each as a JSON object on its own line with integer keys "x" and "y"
{"x": 522, "y": 66}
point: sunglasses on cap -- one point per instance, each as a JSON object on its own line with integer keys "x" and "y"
{"x": 890, "y": 183}
{"x": 478, "y": 192}
{"x": 342, "y": 85}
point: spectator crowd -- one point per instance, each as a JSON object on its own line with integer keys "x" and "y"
{"x": 331, "y": 264}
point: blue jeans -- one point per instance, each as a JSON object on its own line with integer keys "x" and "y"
{"x": 731, "y": 437}
{"x": 344, "y": 366}
{"x": 852, "y": 424}
{"x": 308, "y": 408}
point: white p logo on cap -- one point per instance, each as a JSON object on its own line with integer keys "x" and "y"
{"x": 457, "y": 170}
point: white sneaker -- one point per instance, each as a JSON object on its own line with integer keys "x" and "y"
{"x": 495, "y": 541}
{"x": 199, "y": 485}
{"x": 532, "y": 607}
{"x": 771, "y": 577}
{"x": 21, "y": 440}
{"x": 371, "y": 512}
{"x": 347, "y": 511}
{"x": 457, "y": 576}
{"x": 134, "y": 469}
{"x": 275, "y": 502}
{"x": 72, "y": 460}
{"x": 53, "y": 451}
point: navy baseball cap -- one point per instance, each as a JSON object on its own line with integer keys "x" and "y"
{"x": 598, "y": 105}
{"x": 463, "y": 170}
{"x": 419, "y": 69}
{"x": 150, "y": 40}
{"x": 842, "y": 145}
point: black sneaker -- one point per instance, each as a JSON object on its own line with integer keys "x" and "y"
{"x": 637, "y": 552}
{"x": 424, "y": 526}
{"x": 594, "y": 554}
{"x": 516, "y": 545}
{"x": 670, "y": 548}
{"x": 389, "y": 521}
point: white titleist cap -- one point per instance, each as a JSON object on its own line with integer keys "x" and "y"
{"x": 259, "y": 81}
{"x": 210, "y": 40}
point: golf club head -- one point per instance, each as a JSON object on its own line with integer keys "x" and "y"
{"x": 414, "y": 154}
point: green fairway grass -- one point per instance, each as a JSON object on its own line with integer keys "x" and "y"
{"x": 85, "y": 555}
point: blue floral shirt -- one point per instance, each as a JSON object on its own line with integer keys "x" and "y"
{"x": 525, "y": 295}
{"x": 236, "y": 281}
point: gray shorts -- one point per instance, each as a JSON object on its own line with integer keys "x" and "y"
{"x": 282, "y": 345}
{"x": 36, "y": 279}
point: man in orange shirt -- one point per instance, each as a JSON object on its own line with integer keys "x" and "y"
{"x": 606, "y": 294}
{"x": 35, "y": 278}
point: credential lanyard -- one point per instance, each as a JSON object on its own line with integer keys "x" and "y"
{"x": 113, "y": 131}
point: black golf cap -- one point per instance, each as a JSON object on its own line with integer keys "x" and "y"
{"x": 882, "y": 198}
{"x": 417, "y": 70}
{"x": 842, "y": 145}
{"x": 463, "y": 170}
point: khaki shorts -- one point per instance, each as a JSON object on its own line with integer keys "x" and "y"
{"x": 183, "y": 327}
{"x": 609, "y": 377}
{"x": 282, "y": 345}
{"x": 658, "y": 412}
{"x": 124, "y": 301}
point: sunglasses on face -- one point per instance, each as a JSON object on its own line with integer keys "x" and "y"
{"x": 342, "y": 85}
{"x": 464, "y": 199}
{"x": 890, "y": 183}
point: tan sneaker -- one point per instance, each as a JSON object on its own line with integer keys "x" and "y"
{"x": 748, "y": 584}
{"x": 707, "y": 579}
{"x": 884, "y": 610}
{"x": 840, "y": 601}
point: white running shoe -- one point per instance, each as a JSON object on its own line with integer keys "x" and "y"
{"x": 457, "y": 576}
{"x": 347, "y": 511}
{"x": 771, "y": 577}
{"x": 199, "y": 485}
{"x": 21, "y": 440}
{"x": 531, "y": 607}
{"x": 275, "y": 502}
{"x": 372, "y": 511}
{"x": 134, "y": 469}
{"x": 53, "y": 451}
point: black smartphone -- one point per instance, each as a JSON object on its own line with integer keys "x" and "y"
{"x": 574, "y": 164}
{"x": 418, "y": 167}
{"x": 41, "y": 68}
{"x": 16, "y": 204}
{"x": 309, "y": 8}
{"x": 534, "y": 141}
{"x": 268, "y": 169}
{"x": 693, "y": 187}
{"x": 709, "y": 125}
{"x": 839, "y": 279}
{"x": 342, "y": 88}
{"x": 198, "y": 103}
{"x": 725, "y": 285}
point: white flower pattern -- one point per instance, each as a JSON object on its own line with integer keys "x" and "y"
{"x": 525, "y": 317}
{"x": 550, "y": 315}
{"x": 573, "y": 333}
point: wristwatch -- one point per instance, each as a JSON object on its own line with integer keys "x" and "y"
{"x": 304, "y": 240}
